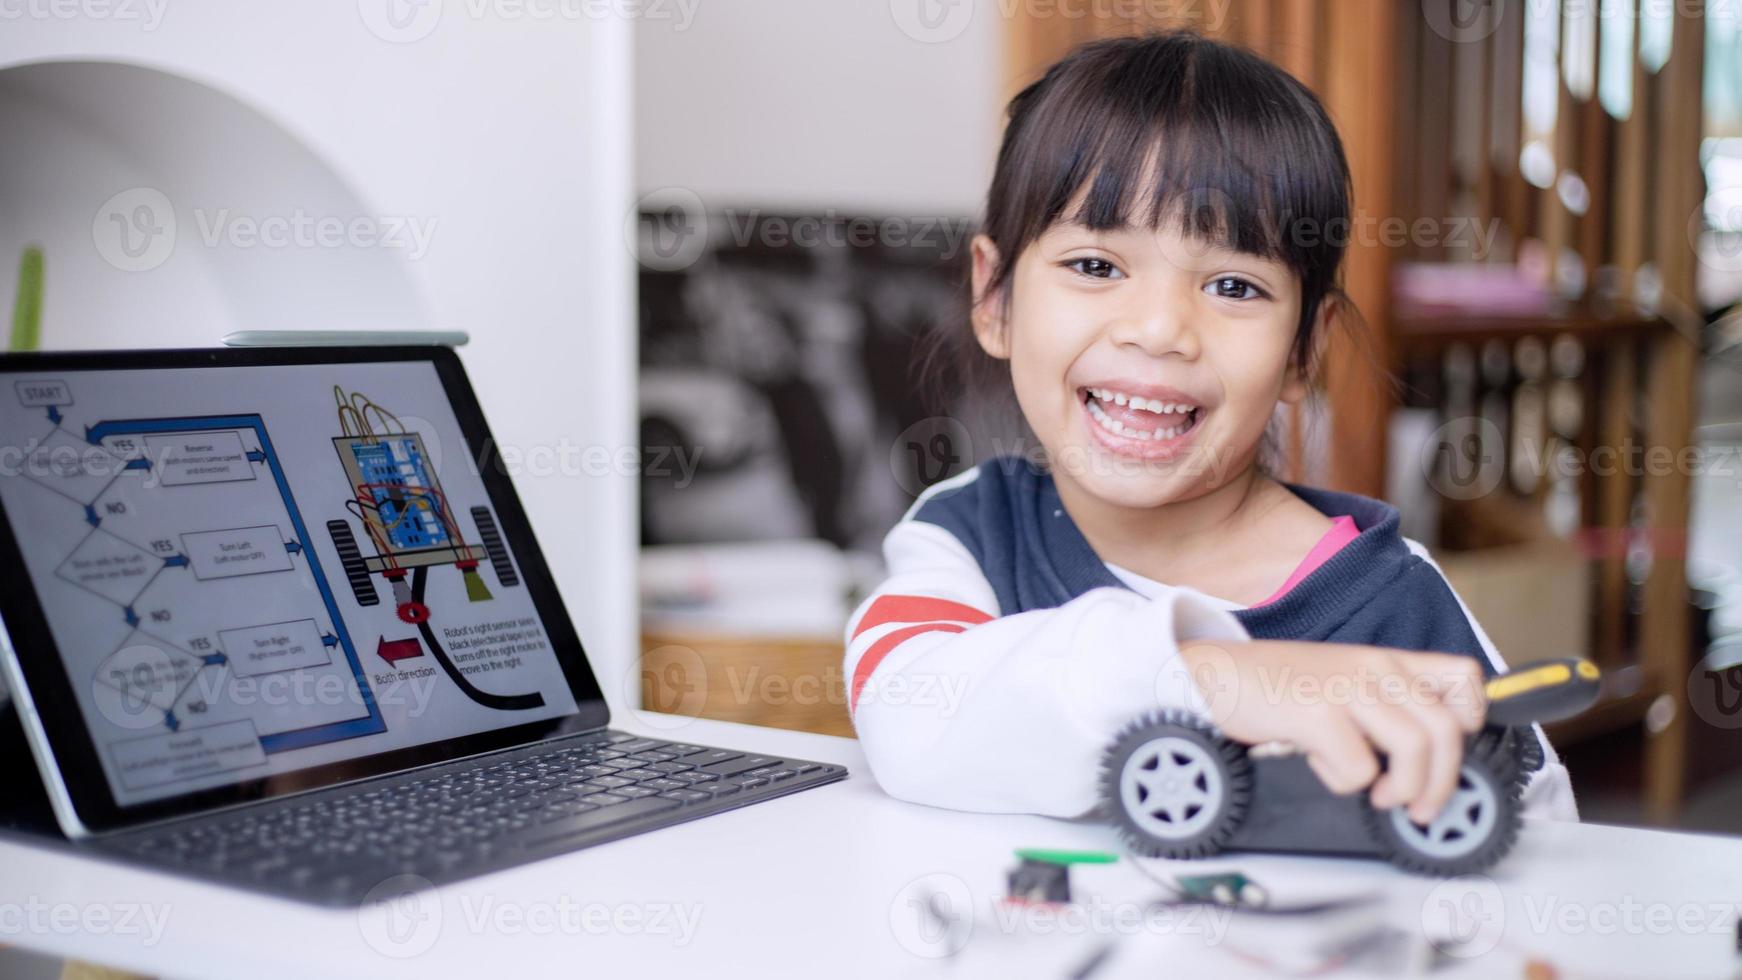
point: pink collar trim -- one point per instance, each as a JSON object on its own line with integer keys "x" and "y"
{"x": 1343, "y": 531}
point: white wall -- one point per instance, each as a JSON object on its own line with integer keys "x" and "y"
{"x": 510, "y": 131}
{"x": 858, "y": 105}
{"x": 92, "y": 143}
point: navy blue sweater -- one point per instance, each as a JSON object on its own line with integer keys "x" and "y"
{"x": 1374, "y": 590}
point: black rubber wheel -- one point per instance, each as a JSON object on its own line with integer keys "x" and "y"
{"x": 1475, "y": 830}
{"x": 1175, "y": 787}
{"x": 1518, "y": 747}
{"x": 1527, "y": 748}
{"x": 356, "y": 572}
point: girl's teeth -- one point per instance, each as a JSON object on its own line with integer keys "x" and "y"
{"x": 1119, "y": 428}
{"x": 1153, "y": 405}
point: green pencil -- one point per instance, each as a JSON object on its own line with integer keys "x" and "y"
{"x": 27, "y": 309}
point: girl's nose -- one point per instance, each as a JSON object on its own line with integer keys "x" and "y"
{"x": 1158, "y": 325}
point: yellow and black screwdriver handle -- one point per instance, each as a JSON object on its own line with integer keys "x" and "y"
{"x": 1547, "y": 691}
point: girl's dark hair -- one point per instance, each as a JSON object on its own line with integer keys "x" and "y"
{"x": 1191, "y": 130}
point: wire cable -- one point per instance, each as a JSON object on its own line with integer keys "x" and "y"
{"x": 501, "y": 702}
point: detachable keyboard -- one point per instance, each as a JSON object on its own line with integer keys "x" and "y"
{"x": 466, "y": 818}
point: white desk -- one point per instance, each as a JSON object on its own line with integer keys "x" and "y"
{"x": 822, "y": 881}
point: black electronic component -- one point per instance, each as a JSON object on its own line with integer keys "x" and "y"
{"x": 1039, "y": 881}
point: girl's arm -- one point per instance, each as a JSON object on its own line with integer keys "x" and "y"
{"x": 958, "y": 707}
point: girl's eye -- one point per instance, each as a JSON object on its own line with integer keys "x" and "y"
{"x": 1095, "y": 268}
{"x": 1233, "y": 287}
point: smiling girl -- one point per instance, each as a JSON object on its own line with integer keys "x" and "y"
{"x": 1157, "y": 270}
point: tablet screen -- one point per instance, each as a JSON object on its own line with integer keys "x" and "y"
{"x": 251, "y": 570}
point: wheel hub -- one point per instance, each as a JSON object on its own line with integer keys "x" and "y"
{"x": 1461, "y": 827}
{"x": 1172, "y": 788}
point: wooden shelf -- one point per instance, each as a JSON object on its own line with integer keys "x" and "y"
{"x": 786, "y": 682}
{"x": 1415, "y": 332}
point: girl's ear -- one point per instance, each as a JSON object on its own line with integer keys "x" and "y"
{"x": 1297, "y": 383}
{"x": 987, "y": 311}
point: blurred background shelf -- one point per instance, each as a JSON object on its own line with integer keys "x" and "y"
{"x": 792, "y": 682}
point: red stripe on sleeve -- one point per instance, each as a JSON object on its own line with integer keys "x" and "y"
{"x": 917, "y": 609}
{"x": 881, "y": 648}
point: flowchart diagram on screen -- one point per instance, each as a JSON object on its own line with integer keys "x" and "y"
{"x": 196, "y": 542}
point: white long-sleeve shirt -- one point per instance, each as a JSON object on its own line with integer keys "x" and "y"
{"x": 994, "y": 666}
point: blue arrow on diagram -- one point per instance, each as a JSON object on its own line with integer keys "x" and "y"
{"x": 132, "y": 617}
{"x": 256, "y": 456}
{"x": 175, "y": 561}
{"x": 293, "y": 546}
{"x": 329, "y": 640}
{"x": 91, "y": 517}
{"x": 54, "y": 415}
{"x": 170, "y": 720}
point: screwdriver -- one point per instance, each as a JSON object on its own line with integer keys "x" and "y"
{"x": 1542, "y": 692}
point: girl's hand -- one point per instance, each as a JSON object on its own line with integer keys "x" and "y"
{"x": 1338, "y": 703}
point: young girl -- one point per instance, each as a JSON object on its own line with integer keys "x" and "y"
{"x": 1158, "y": 266}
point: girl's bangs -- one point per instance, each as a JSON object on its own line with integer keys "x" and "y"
{"x": 1254, "y": 170}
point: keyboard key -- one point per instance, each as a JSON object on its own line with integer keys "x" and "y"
{"x": 605, "y": 799}
{"x": 686, "y": 795}
{"x": 742, "y": 764}
{"x": 712, "y": 756}
{"x": 588, "y": 822}
{"x": 665, "y": 783}
{"x": 566, "y": 811}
